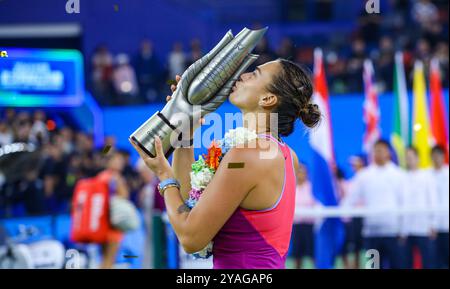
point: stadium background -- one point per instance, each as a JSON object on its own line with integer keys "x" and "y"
{"x": 343, "y": 29}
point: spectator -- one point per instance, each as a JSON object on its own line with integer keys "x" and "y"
{"x": 355, "y": 64}
{"x": 84, "y": 146}
{"x": 110, "y": 141}
{"x": 177, "y": 60}
{"x": 149, "y": 72}
{"x": 6, "y": 134}
{"x": 385, "y": 64}
{"x": 303, "y": 230}
{"x": 102, "y": 68}
{"x": 419, "y": 230}
{"x": 424, "y": 13}
{"x": 131, "y": 176}
{"x": 369, "y": 26}
{"x": 286, "y": 49}
{"x": 440, "y": 173}
{"x": 22, "y": 127}
{"x": 336, "y": 72}
{"x": 442, "y": 54}
{"x": 423, "y": 50}
{"x": 10, "y": 116}
{"x": 380, "y": 186}
{"x": 124, "y": 81}
{"x": 32, "y": 191}
{"x": 195, "y": 53}
{"x": 434, "y": 33}
{"x": 353, "y": 226}
{"x": 67, "y": 138}
{"x": 39, "y": 132}
{"x": 117, "y": 186}
{"x": 147, "y": 196}
{"x": 54, "y": 173}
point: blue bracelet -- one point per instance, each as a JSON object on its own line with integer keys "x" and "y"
{"x": 167, "y": 183}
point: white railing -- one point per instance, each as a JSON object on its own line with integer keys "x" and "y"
{"x": 345, "y": 212}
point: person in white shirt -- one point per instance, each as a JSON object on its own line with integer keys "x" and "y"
{"x": 6, "y": 134}
{"x": 177, "y": 60}
{"x": 440, "y": 173}
{"x": 125, "y": 81}
{"x": 380, "y": 187}
{"x": 39, "y": 133}
{"x": 353, "y": 244}
{"x": 303, "y": 229}
{"x": 418, "y": 228}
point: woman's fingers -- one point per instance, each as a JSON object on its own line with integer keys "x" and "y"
{"x": 138, "y": 149}
{"x": 177, "y": 78}
{"x": 158, "y": 147}
{"x": 168, "y": 98}
{"x": 173, "y": 87}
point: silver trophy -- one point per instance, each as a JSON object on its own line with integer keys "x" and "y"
{"x": 203, "y": 87}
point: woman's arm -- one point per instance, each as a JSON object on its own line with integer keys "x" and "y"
{"x": 181, "y": 163}
{"x": 197, "y": 227}
{"x": 229, "y": 187}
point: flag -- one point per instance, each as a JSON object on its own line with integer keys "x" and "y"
{"x": 439, "y": 125}
{"x": 400, "y": 137}
{"x": 422, "y": 138}
{"x": 371, "y": 115}
{"x": 330, "y": 234}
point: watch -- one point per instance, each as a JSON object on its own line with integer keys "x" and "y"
{"x": 167, "y": 183}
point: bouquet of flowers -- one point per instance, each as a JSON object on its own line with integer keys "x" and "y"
{"x": 205, "y": 167}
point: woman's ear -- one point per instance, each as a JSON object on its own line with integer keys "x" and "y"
{"x": 268, "y": 101}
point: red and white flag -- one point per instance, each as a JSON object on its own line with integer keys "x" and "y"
{"x": 371, "y": 110}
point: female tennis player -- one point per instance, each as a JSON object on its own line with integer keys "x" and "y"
{"x": 246, "y": 210}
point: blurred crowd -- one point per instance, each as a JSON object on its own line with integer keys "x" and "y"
{"x": 42, "y": 181}
{"x": 419, "y": 28}
{"x": 416, "y": 238}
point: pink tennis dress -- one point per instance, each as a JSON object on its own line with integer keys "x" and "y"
{"x": 259, "y": 239}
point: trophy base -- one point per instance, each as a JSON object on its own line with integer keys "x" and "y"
{"x": 134, "y": 140}
{"x": 167, "y": 154}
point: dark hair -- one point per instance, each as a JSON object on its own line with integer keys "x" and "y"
{"x": 438, "y": 149}
{"x": 413, "y": 149}
{"x": 383, "y": 142}
{"x": 294, "y": 88}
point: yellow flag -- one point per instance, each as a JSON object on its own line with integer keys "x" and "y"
{"x": 422, "y": 138}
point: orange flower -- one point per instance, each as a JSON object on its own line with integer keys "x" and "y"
{"x": 212, "y": 158}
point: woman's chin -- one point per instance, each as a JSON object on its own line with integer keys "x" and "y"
{"x": 232, "y": 97}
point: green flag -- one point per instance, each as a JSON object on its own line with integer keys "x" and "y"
{"x": 400, "y": 137}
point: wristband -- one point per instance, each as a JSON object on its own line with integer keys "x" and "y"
{"x": 167, "y": 183}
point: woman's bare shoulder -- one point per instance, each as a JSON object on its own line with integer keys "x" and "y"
{"x": 254, "y": 153}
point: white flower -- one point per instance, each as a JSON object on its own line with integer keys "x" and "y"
{"x": 238, "y": 136}
{"x": 201, "y": 179}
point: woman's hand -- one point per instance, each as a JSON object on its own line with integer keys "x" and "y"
{"x": 173, "y": 87}
{"x": 159, "y": 164}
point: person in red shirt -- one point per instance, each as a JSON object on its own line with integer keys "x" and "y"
{"x": 118, "y": 187}
{"x": 100, "y": 212}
